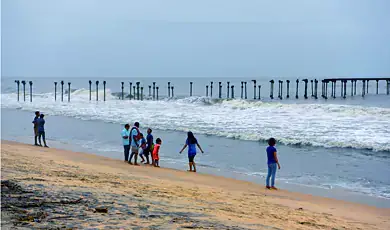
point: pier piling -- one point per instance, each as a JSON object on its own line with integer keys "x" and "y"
{"x": 220, "y": 90}
{"x": 207, "y": 90}
{"x": 246, "y": 92}
{"x": 17, "y": 87}
{"x": 122, "y": 87}
{"x": 142, "y": 93}
{"x": 345, "y": 88}
{"x": 367, "y": 85}
{"x": 228, "y": 89}
{"x": 169, "y": 89}
{"x": 352, "y": 88}
{"x": 354, "y": 91}
{"x": 104, "y": 91}
{"x": 279, "y": 91}
{"x": 30, "y": 83}
{"x": 55, "y": 91}
{"x": 306, "y": 81}
{"x": 232, "y": 91}
{"x": 315, "y": 88}
{"x": 69, "y": 91}
{"x": 296, "y": 92}
{"x": 24, "y": 90}
{"x": 242, "y": 90}
{"x": 137, "y": 83}
{"x": 173, "y": 95}
{"x": 323, "y": 89}
{"x": 97, "y": 90}
{"x": 388, "y": 87}
{"x": 272, "y": 89}
{"x": 190, "y": 89}
{"x": 90, "y": 89}
{"x": 254, "y": 89}
{"x": 259, "y": 92}
{"x": 131, "y": 86}
{"x": 326, "y": 89}
{"x": 211, "y": 89}
{"x": 134, "y": 92}
{"x": 332, "y": 93}
{"x": 364, "y": 88}
{"x": 288, "y": 88}
{"x": 312, "y": 88}
{"x": 154, "y": 90}
{"x": 62, "y": 91}
{"x": 157, "y": 93}
{"x": 150, "y": 91}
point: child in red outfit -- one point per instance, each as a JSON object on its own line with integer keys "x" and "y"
{"x": 156, "y": 150}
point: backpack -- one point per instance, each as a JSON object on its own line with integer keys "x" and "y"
{"x": 138, "y": 137}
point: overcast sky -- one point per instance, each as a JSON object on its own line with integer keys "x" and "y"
{"x": 75, "y": 38}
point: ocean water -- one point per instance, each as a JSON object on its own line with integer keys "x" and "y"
{"x": 330, "y": 144}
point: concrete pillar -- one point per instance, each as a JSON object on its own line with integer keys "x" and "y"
{"x": 104, "y": 91}
{"x": 169, "y": 89}
{"x": 30, "y": 83}
{"x": 17, "y": 87}
{"x": 122, "y": 88}
{"x": 62, "y": 91}
{"x": 228, "y": 88}
{"x": 211, "y": 89}
{"x": 55, "y": 91}
{"x": 190, "y": 89}
{"x": 254, "y": 89}
{"x": 69, "y": 91}
{"x": 90, "y": 89}
{"x": 296, "y": 92}
{"x": 272, "y": 89}
{"x": 97, "y": 90}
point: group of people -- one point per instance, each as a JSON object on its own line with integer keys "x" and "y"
{"x": 39, "y": 129}
{"x": 134, "y": 144}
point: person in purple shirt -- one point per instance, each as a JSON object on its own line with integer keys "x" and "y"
{"x": 272, "y": 163}
{"x": 35, "y": 122}
{"x": 191, "y": 142}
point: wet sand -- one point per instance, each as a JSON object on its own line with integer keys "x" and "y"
{"x": 51, "y": 188}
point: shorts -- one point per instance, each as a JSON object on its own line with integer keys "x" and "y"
{"x": 36, "y": 133}
{"x": 191, "y": 159}
{"x": 134, "y": 149}
{"x": 145, "y": 152}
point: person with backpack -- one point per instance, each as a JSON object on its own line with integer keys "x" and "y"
{"x": 191, "y": 142}
{"x": 135, "y": 136}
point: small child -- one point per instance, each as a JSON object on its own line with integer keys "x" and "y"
{"x": 272, "y": 163}
{"x": 142, "y": 144}
{"x": 156, "y": 150}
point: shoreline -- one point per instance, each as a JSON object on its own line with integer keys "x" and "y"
{"x": 225, "y": 201}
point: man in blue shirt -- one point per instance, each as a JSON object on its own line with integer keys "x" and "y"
{"x": 41, "y": 130}
{"x": 36, "y": 134}
{"x": 272, "y": 163}
{"x": 135, "y": 137}
{"x": 126, "y": 141}
{"x": 149, "y": 146}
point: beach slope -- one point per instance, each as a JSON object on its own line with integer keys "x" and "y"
{"x": 51, "y": 188}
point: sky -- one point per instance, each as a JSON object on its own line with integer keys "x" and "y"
{"x": 195, "y": 38}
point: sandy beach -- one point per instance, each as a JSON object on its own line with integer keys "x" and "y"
{"x": 52, "y": 188}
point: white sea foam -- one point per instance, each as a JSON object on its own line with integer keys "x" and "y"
{"x": 325, "y": 125}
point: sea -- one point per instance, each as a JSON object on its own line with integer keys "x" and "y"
{"x": 335, "y": 147}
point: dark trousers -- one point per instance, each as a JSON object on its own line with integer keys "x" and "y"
{"x": 126, "y": 149}
{"x": 42, "y": 135}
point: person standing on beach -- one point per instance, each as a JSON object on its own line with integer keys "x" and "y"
{"x": 35, "y": 122}
{"x": 272, "y": 163}
{"x": 135, "y": 137}
{"x": 142, "y": 144}
{"x": 149, "y": 146}
{"x": 41, "y": 130}
{"x": 155, "y": 154}
{"x": 191, "y": 142}
{"x": 126, "y": 141}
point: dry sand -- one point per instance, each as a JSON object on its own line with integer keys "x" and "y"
{"x": 51, "y": 188}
